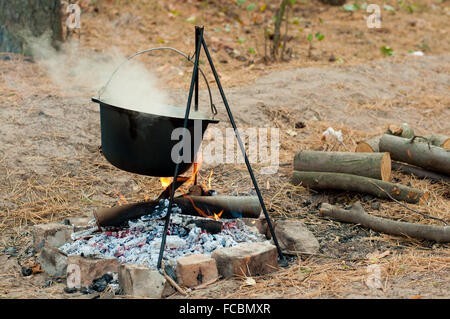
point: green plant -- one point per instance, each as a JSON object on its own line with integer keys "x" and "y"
{"x": 279, "y": 18}
{"x": 251, "y": 7}
{"x": 351, "y": 7}
{"x": 386, "y": 50}
{"x": 413, "y": 8}
{"x": 388, "y": 8}
{"x": 319, "y": 36}
{"x": 192, "y": 19}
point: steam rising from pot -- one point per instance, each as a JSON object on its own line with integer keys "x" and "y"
{"x": 78, "y": 70}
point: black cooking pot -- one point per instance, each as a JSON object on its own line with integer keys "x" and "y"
{"x": 140, "y": 142}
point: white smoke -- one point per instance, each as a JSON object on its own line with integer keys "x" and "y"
{"x": 82, "y": 71}
{"x": 76, "y": 70}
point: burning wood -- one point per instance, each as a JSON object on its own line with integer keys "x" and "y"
{"x": 198, "y": 202}
{"x": 230, "y": 206}
{"x": 166, "y": 183}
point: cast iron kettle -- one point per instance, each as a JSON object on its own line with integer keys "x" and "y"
{"x": 141, "y": 143}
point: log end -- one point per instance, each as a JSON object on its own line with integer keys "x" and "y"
{"x": 386, "y": 167}
{"x": 424, "y": 198}
{"x": 364, "y": 147}
{"x": 446, "y": 144}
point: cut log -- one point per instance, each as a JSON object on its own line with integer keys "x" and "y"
{"x": 436, "y": 140}
{"x": 357, "y": 215}
{"x": 361, "y": 184}
{"x": 372, "y": 144}
{"x": 430, "y": 157}
{"x": 407, "y": 131}
{"x": 231, "y": 207}
{"x": 374, "y": 165}
{"x": 420, "y": 172}
{"x": 404, "y": 130}
{"x": 369, "y": 145}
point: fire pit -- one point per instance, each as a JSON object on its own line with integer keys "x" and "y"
{"x": 129, "y": 140}
{"x": 139, "y": 240}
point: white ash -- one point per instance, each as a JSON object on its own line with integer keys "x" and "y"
{"x": 140, "y": 241}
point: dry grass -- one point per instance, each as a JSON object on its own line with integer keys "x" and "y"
{"x": 31, "y": 198}
{"x": 314, "y": 278}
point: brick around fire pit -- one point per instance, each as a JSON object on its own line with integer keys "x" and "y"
{"x": 141, "y": 281}
{"x": 246, "y": 259}
{"x": 52, "y": 235}
{"x": 91, "y": 268}
{"x": 195, "y": 270}
{"x": 52, "y": 261}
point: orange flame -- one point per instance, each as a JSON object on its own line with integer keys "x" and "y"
{"x": 122, "y": 200}
{"x": 194, "y": 174}
{"x": 217, "y": 216}
{"x": 201, "y": 212}
{"x": 165, "y": 181}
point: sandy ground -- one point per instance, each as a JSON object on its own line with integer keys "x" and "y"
{"x": 53, "y": 167}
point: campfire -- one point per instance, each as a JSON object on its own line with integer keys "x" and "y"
{"x": 200, "y": 224}
{"x": 197, "y": 223}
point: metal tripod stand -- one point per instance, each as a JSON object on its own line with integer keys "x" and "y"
{"x": 199, "y": 43}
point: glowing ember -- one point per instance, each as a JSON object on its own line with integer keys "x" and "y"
{"x": 139, "y": 242}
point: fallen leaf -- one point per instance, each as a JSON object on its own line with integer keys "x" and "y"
{"x": 373, "y": 281}
{"x": 377, "y": 255}
{"x": 36, "y": 269}
{"x": 250, "y": 281}
{"x": 291, "y": 132}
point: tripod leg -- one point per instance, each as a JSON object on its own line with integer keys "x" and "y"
{"x": 197, "y": 41}
{"x": 282, "y": 258}
{"x": 175, "y": 175}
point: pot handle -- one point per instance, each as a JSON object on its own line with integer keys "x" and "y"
{"x": 103, "y": 88}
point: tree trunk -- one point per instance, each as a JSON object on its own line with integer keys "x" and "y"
{"x": 277, "y": 29}
{"x": 360, "y": 184}
{"x": 430, "y": 157}
{"x": 373, "y": 165}
{"x": 20, "y": 19}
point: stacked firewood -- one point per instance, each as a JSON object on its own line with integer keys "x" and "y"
{"x": 352, "y": 171}
{"x": 368, "y": 170}
{"x": 423, "y": 156}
